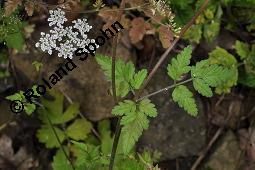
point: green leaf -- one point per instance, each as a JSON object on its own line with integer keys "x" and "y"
{"x": 132, "y": 131}
{"x": 202, "y": 87}
{"x": 46, "y": 135}
{"x": 125, "y": 78}
{"x": 214, "y": 75}
{"x": 79, "y": 129}
{"x": 148, "y": 108}
{"x": 16, "y": 96}
{"x": 89, "y": 157}
{"x": 105, "y": 63}
{"x": 129, "y": 71}
{"x": 15, "y": 40}
{"x": 127, "y": 106}
{"x": 54, "y": 109}
{"x": 184, "y": 98}
{"x": 60, "y": 162}
{"x": 221, "y": 57}
{"x": 194, "y": 34}
{"x": 105, "y": 134}
{"x": 29, "y": 108}
{"x": 70, "y": 113}
{"x": 211, "y": 30}
{"x": 179, "y": 65}
{"x": 138, "y": 79}
{"x": 242, "y": 49}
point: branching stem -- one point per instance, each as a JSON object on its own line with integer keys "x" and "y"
{"x": 164, "y": 89}
{"x": 165, "y": 54}
{"x": 162, "y": 58}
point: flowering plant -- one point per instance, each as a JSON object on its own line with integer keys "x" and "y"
{"x": 65, "y": 39}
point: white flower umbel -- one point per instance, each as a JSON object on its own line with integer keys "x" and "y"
{"x": 65, "y": 40}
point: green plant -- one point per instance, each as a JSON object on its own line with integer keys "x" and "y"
{"x": 204, "y": 76}
{"x": 10, "y": 31}
{"x": 246, "y": 53}
{"x": 28, "y": 107}
{"x": 71, "y": 134}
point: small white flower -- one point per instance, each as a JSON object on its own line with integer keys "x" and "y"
{"x": 66, "y": 50}
{"x": 69, "y": 38}
{"x": 57, "y": 17}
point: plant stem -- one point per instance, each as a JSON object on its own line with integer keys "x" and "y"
{"x": 118, "y": 127}
{"x": 164, "y": 89}
{"x": 60, "y": 144}
{"x": 165, "y": 54}
{"x": 162, "y": 58}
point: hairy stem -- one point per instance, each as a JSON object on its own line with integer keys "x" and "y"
{"x": 118, "y": 127}
{"x": 165, "y": 54}
{"x": 164, "y": 89}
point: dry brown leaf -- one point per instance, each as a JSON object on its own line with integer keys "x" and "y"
{"x": 75, "y": 6}
{"x": 135, "y": 3}
{"x": 29, "y": 7}
{"x": 108, "y": 14}
{"x": 112, "y": 16}
{"x": 11, "y": 5}
{"x": 138, "y": 30}
{"x": 165, "y": 36}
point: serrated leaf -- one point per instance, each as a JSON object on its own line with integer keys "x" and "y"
{"x": 105, "y": 63}
{"x": 148, "y": 108}
{"x": 89, "y": 156}
{"x": 127, "y": 106}
{"x": 132, "y": 131}
{"x": 46, "y": 135}
{"x": 179, "y": 65}
{"x": 184, "y": 98}
{"x": 138, "y": 79}
{"x": 54, "y": 109}
{"x": 129, "y": 71}
{"x": 128, "y": 118}
{"x": 70, "y": 113}
{"x": 242, "y": 49}
{"x": 221, "y": 57}
{"x": 79, "y": 129}
{"x": 202, "y": 87}
{"x": 60, "y": 162}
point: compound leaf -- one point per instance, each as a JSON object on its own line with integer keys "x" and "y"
{"x": 60, "y": 162}
{"x": 79, "y": 129}
{"x": 46, "y": 135}
{"x": 179, "y": 65}
{"x": 132, "y": 131}
{"x": 139, "y": 78}
{"x": 184, "y": 98}
{"x": 127, "y": 106}
{"x": 242, "y": 49}
{"x": 148, "y": 108}
{"x": 202, "y": 87}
